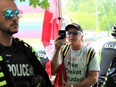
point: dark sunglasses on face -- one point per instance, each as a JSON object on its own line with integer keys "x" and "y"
{"x": 10, "y": 13}
{"x": 74, "y": 33}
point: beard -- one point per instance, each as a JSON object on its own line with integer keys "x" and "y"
{"x": 7, "y": 30}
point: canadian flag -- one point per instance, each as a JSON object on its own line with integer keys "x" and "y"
{"x": 51, "y": 25}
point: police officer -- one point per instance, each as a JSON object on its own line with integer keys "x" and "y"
{"x": 108, "y": 53}
{"x": 19, "y": 64}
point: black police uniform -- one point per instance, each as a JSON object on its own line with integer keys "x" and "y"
{"x": 20, "y": 67}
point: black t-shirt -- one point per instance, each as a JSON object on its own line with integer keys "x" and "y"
{"x": 18, "y": 65}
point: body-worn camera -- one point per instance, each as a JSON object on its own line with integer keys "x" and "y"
{"x": 62, "y": 34}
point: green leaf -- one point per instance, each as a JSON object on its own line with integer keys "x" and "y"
{"x": 44, "y": 4}
{"x": 33, "y": 3}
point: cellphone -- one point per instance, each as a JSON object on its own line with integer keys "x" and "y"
{"x": 62, "y": 34}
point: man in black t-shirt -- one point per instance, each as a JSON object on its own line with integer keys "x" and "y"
{"x": 19, "y": 64}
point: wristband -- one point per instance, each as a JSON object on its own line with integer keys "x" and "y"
{"x": 71, "y": 85}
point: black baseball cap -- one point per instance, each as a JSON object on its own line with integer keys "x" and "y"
{"x": 74, "y": 25}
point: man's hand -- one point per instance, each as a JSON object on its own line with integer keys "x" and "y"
{"x": 59, "y": 43}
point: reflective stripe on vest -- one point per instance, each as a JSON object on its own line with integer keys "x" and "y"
{"x": 1, "y": 59}
{"x": 3, "y": 82}
{"x": 1, "y": 74}
{"x": 104, "y": 83}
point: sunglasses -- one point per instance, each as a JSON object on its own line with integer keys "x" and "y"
{"x": 10, "y": 13}
{"x": 74, "y": 33}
